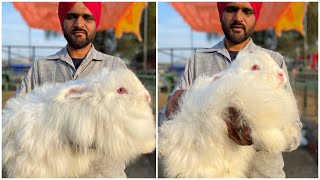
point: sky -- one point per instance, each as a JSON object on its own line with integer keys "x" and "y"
{"x": 173, "y": 32}
{"x": 15, "y": 31}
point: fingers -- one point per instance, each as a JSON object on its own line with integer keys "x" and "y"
{"x": 173, "y": 103}
{"x": 237, "y": 135}
{"x": 236, "y": 132}
{"x": 232, "y": 134}
{"x": 246, "y": 134}
{"x": 245, "y": 141}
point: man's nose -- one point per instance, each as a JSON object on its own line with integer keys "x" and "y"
{"x": 238, "y": 16}
{"x": 79, "y": 22}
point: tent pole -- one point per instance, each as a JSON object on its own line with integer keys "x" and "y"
{"x": 145, "y": 39}
{"x": 29, "y": 47}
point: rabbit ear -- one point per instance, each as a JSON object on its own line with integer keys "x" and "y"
{"x": 216, "y": 76}
{"x": 77, "y": 92}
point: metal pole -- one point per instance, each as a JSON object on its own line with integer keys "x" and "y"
{"x": 145, "y": 39}
{"x": 305, "y": 39}
{"x": 9, "y": 56}
{"x": 305, "y": 45}
{"x": 171, "y": 56}
{"x": 191, "y": 37}
{"x": 30, "y": 49}
{"x": 33, "y": 53}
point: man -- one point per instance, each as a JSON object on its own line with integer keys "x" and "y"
{"x": 238, "y": 20}
{"x": 79, "y": 22}
{"x": 79, "y": 58}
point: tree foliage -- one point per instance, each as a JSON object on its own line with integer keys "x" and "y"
{"x": 292, "y": 43}
{"x": 128, "y": 46}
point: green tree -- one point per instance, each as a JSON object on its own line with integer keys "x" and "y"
{"x": 291, "y": 43}
{"x": 128, "y": 46}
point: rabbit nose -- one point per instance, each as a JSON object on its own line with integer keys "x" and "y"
{"x": 148, "y": 98}
{"x": 280, "y": 75}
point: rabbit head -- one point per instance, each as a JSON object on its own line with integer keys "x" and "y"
{"x": 118, "y": 105}
{"x": 258, "y": 66}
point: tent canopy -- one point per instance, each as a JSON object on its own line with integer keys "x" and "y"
{"x": 121, "y": 16}
{"x": 204, "y": 17}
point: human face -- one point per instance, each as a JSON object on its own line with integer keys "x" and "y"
{"x": 79, "y": 27}
{"x": 238, "y": 21}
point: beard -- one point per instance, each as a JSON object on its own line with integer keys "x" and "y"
{"x": 236, "y": 38}
{"x": 75, "y": 42}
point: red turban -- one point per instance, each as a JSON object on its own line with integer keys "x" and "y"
{"x": 255, "y": 5}
{"x": 94, "y": 8}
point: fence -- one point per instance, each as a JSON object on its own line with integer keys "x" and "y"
{"x": 305, "y": 84}
{"x": 173, "y": 55}
{"x": 28, "y": 54}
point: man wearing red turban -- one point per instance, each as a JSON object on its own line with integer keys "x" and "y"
{"x": 94, "y": 8}
{"x": 238, "y": 20}
{"x": 79, "y": 22}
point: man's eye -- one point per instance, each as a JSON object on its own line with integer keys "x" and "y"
{"x": 88, "y": 17}
{"x": 70, "y": 16}
{"x": 230, "y": 9}
{"x": 247, "y": 11}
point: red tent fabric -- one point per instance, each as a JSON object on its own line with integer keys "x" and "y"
{"x": 204, "y": 17}
{"x": 122, "y": 16}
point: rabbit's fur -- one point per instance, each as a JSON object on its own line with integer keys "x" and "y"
{"x": 58, "y": 130}
{"x": 195, "y": 142}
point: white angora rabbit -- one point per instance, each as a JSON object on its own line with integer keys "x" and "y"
{"x": 59, "y": 130}
{"x": 195, "y": 142}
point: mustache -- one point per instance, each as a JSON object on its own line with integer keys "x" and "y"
{"x": 79, "y": 29}
{"x": 238, "y": 24}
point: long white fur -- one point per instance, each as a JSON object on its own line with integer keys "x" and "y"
{"x": 195, "y": 142}
{"x": 59, "y": 130}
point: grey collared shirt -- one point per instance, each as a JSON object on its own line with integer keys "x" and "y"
{"x": 213, "y": 60}
{"x": 60, "y": 68}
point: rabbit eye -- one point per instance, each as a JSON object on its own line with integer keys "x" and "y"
{"x": 255, "y": 68}
{"x": 122, "y": 91}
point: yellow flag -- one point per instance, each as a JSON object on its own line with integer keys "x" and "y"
{"x": 292, "y": 18}
{"x": 130, "y": 20}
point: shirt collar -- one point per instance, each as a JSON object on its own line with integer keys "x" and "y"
{"x": 221, "y": 48}
{"x": 64, "y": 55}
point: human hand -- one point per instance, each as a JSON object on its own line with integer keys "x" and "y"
{"x": 173, "y": 101}
{"x": 239, "y": 134}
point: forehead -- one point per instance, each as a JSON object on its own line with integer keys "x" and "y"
{"x": 79, "y": 8}
{"x": 240, "y": 5}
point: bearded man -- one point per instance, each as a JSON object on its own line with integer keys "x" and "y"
{"x": 79, "y": 58}
{"x": 238, "y": 20}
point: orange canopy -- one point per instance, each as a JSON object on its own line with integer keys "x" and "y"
{"x": 121, "y": 16}
{"x": 204, "y": 17}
